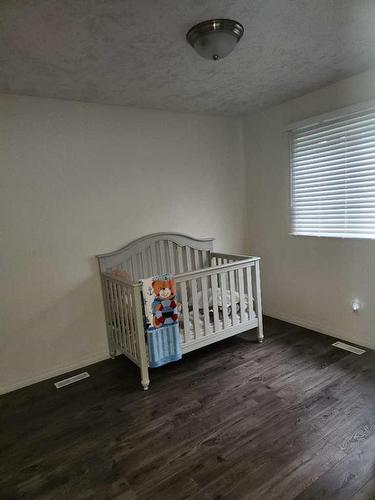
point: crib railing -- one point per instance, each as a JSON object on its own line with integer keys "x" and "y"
{"x": 240, "y": 278}
{"x": 124, "y": 321}
{"x": 119, "y": 303}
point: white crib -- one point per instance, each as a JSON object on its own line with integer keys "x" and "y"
{"x": 219, "y": 294}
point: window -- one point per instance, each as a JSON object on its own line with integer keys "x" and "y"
{"x": 333, "y": 176}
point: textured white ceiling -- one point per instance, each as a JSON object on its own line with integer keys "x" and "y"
{"x": 133, "y": 52}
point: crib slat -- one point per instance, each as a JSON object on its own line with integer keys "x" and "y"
{"x": 188, "y": 268}
{"x": 241, "y": 294}
{"x": 154, "y": 261}
{"x": 127, "y": 310}
{"x": 196, "y": 259}
{"x": 110, "y": 321}
{"x": 180, "y": 260}
{"x": 171, "y": 257}
{"x": 128, "y": 267}
{"x": 134, "y": 268}
{"x": 106, "y": 314}
{"x": 114, "y": 317}
{"x": 235, "y": 279}
{"x": 188, "y": 258}
{"x": 185, "y": 311}
{"x": 133, "y": 326}
{"x": 132, "y": 337}
{"x": 145, "y": 267}
{"x": 107, "y": 301}
{"x": 162, "y": 257}
{"x": 127, "y": 319}
{"x": 223, "y": 282}
{"x": 205, "y": 305}
{"x": 117, "y": 313}
{"x": 140, "y": 267}
{"x": 122, "y": 333}
{"x": 112, "y": 312}
{"x": 137, "y": 267}
{"x": 249, "y": 291}
{"x": 194, "y": 295}
{"x": 119, "y": 290}
{"x": 232, "y": 286}
{"x": 215, "y": 308}
{"x": 204, "y": 259}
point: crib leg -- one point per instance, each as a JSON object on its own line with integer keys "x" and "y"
{"x": 260, "y": 330}
{"x": 140, "y": 338}
{"x": 145, "y": 380}
{"x": 111, "y": 347}
{"x": 259, "y": 303}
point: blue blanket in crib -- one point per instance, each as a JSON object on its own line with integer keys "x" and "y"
{"x": 160, "y": 306}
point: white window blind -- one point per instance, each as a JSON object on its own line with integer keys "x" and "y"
{"x": 333, "y": 177}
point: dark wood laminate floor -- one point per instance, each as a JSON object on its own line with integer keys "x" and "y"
{"x": 293, "y": 418}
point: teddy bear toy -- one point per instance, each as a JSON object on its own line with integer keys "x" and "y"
{"x": 164, "y": 306}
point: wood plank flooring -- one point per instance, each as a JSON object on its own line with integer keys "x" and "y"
{"x": 293, "y": 418}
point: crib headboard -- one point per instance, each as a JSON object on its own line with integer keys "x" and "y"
{"x": 159, "y": 253}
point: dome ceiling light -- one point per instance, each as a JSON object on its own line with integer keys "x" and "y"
{"x": 216, "y": 38}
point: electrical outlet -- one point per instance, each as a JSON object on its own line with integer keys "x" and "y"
{"x": 356, "y": 306}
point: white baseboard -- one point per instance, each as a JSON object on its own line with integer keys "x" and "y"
{"x": 59, "y": 370}
{"x": 313, "y": 325}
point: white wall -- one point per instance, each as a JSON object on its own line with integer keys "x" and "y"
{"x": 306, "y": 280}
{"x": 81, "y": 179}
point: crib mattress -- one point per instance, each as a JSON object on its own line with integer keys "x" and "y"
{"x": 227, "y": 304}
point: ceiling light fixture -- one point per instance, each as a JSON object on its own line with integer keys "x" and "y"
{"x": 216, "y": 38}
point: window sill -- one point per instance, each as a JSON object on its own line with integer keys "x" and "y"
{"x": 335, "y": 236}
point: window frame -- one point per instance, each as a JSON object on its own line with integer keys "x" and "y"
{"x": 317, "y": 120}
